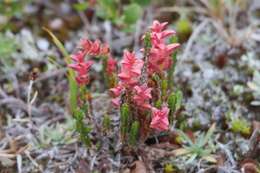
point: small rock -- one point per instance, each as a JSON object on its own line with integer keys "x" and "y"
{"x": 56, "y": 24}
{"x": 43, "y": 44}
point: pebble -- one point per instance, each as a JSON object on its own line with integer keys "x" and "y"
{"x": 43, "y": 44}
{"x": 56, "y": 24}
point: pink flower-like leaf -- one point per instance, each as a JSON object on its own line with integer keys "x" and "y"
{"x": 142, "y": 96}
{"x": 160, "y": 120}
{"x": 116, "y": 91}
{"x": 111, "y": 65}
{"x": 130, "y": 70}
{"x": 78, "y": 56}
{"x": 81, "y": 67}
{"x": 94, "y": 48}
{"x": 157, "y": 26}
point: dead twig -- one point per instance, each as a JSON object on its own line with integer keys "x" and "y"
{"x": 19, "y": 104}
{"x": 50, "y": 74}
{"x": 193, "y": 37}
{"x": 30, "y": 100}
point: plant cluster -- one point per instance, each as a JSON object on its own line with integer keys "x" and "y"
{"x": 123, "y": 14}
{"x": 201, "y": 148}
{"x": 142, "y": 88}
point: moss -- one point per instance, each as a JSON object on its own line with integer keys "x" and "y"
{"x": 184, "y": 29}
{"x": 168, "y": 168}
{"x": 240, "y": 126}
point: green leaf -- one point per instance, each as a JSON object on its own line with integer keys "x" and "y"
{"x": 179, "y": 97}
{"x": 82, "y": 128}
{"x": 132, "y": 13}
{"x": 209, "y": 134}
{"x": 184, "y": 137}
{"x": 158, "y": 103}
{"x": 107, "y": 9}
{"x": 164, "y": 86}
{"x": 124, "y": 117}
{"x": 73, "y": 88}
{"x": 191, "y": 159}
{"x": 200, "y": 140}
{"x": 172, "y": 99}
{"x": 134, "y": 133}
{"x": 172, "y": 105}
{"x": 141, "y": 2}
{"x": 59, "y": 45}
{"x": 81, "y": 6}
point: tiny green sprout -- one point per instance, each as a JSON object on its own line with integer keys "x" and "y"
{"x": 168, "y": 168}
{"x": 164, "y": 86}
{"x": 124, "y": 113}
{"x": 147, "y": 40}
{"x": 171, "y": 104}
{"x": 134, "y": 133}
{"x": 158, "y": 103}
{"x": 82, "y": 128}
{"x": 240, "y": 126}
{"x": 179, "y": 98}
{"x": 172, "y": 101}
